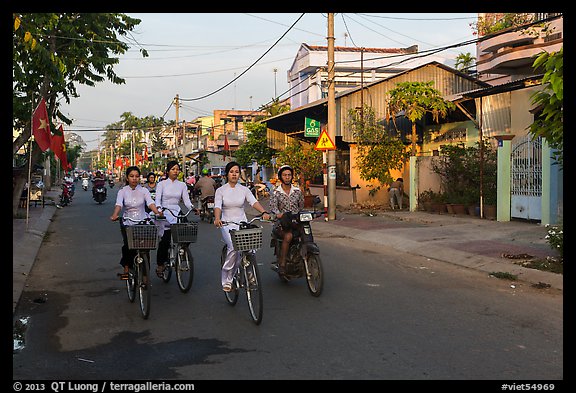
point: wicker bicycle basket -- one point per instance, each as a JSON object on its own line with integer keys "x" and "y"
{"x": 142, "y": 237}
{"x": 184, "y": 232}
{"x": 246, "y": 239}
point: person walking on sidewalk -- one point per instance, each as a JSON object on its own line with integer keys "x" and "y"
{"x": 396, "y": 190}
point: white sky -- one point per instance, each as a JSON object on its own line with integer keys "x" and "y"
{"x": 196, "y": 54}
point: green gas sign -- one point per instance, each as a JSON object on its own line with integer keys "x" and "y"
{"x": 311, "y": 127}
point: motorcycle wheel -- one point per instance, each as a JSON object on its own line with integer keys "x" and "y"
{"x": 314, "y": 274}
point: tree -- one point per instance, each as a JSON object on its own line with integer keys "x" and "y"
{"x": 416, "y": 99}
{"x": 379, "y": 152}
{"x": 464, "y": 61}
{"x": 550, "y": 124}
{"x": 275, "y": 107}
{"x": 52, "y": 53}
{"x": 256, "y": 147}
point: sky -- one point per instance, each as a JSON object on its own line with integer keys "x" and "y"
{"x": 239, "y": 60}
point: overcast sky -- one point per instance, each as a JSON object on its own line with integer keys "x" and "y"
{"x": 197, "y": 55}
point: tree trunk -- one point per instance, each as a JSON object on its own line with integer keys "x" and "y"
{"x": 413, "y": 151}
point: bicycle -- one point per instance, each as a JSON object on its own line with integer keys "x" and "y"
{"x": 246, "y": 239}
{"x": 142, "y": 237}
{"x": 181, "y": 259}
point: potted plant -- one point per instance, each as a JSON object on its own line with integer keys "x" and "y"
{"x": 425, "y": 200}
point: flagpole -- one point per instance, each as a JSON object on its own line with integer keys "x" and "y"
{"x": 30, "y": 162}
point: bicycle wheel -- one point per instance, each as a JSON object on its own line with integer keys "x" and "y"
{"x": 184, "y": 268}
{"x": 143, "y": 282}
{"x": 232, "y": 296}
{"x": 314, "y": 274}
{"x": 253, "y": 288}
{"x": 168, "y": 265}
{"x": 131, "y": 285}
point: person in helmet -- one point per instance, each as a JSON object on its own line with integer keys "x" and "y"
{"x": 205, "y": 185}
{"x": 286, "y": 199}
{"x": 98, "y": 181}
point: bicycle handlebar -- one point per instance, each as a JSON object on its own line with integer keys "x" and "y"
{"x": 257, "y": 218}
{"x": 177, "y": 215}
{"x": 146, "y": 220}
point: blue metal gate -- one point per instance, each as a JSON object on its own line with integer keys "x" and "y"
{"x": 526, "y": 178}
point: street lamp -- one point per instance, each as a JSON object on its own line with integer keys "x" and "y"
{"x": 275, "y": 71}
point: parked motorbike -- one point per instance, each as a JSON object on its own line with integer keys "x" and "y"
{"x": 85, "y": 184}
{"x": 207, "y": 209}
{"x": 99, "y": 194}
{"x": 303, "y": 258}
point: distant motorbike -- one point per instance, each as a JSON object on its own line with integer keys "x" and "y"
{"x": 260, "y": 190}
{"x": 207, "y": 209}
{"x": 67, "y": 193}
{"x": 99, "y": 194}
{"x": 85, "y": 184}
{"x": 303, "y": 258}
{"x": 111, "y": 183}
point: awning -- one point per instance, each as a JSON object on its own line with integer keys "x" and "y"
{"x": 193, "y": 156}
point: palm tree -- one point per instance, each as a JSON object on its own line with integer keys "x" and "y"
{"x": 416, "y": 99}
{"x": 464, "y": 61}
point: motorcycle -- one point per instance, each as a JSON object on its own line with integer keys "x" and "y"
{"x": 85, "y": 184}
{"x": 66, "y": 195}
{"x": 259, "y": 190}
{"x": 207, "y": 209}
{"x": 111, "y": 183}
{"x": 99, "y": 194}
{"x": 303, "y": 257}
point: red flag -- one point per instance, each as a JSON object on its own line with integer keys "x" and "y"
{"x": 58, "y": 146}
{"x": 41, "y": 126}
{"x": 118, "y": 162}
{"x": 137, "y": 158}
{"x": 226, "y": 145}
{"x": 145, "y": 153}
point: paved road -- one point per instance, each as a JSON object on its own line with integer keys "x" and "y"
{"x": 461, "y": 240}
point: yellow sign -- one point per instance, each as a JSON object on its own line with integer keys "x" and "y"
{"x": 324, "y": 142}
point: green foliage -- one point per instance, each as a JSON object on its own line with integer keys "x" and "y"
{"x": 550, "y": 124}
{"x": 464, "y": 61}
{"x": 555, "y": 238}
{"x": 306, "y": 161}
{"x": 256, "y": 146}
{"x": 459, "y": 171}
{"x": 416, "y": 99}
{"x": 378, "y": 152}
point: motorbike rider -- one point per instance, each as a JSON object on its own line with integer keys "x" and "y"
{"x": 286, "y": 199}
{"x": 206, "y": 185}
{"x": 98, "y": 181}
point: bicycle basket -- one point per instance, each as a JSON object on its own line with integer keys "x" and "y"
{"x": 246, "y": 239}
{"x": 142, "y": 237}
{"x": 186, "y": 232}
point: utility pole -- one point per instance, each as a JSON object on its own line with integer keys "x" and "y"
{"x": 331, "y": 121}
{"x": 177, "y": 106}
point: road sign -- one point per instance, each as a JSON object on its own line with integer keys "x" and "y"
{"x": 324, "y": 142}
{"x": 311, "y": 127}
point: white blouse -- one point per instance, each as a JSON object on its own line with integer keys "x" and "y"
{"x": 169, "y": 193}
{"x": 231, "y": 201}
{"x": 133, "y": 202}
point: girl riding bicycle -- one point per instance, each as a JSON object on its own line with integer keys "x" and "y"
{"x": 169, "y": 193}
{"x": 229, "y": 206}
{"x": 133, "y": 198}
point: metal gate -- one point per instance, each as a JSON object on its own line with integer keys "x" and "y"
{"x": 526, "y": 178}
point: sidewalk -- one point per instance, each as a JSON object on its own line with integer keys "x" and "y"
{"x": 461, "y": 240}
{"x": 457, "y": 239}
{"x": 26, "y": 240}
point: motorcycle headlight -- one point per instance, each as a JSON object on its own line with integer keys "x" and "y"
{"x": 305, "y": 216}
